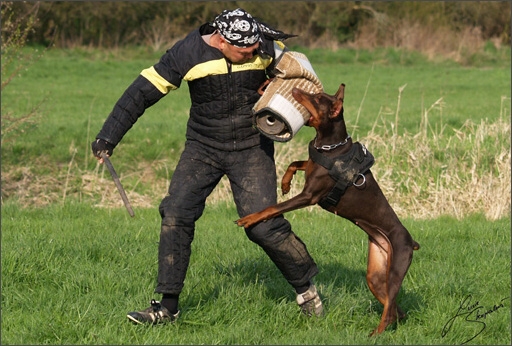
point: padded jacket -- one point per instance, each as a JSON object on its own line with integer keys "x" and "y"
{"x": 222, "y": 94}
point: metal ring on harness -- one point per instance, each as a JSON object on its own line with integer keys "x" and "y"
{"x": 364, "y": 180}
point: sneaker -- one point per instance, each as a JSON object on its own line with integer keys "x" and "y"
{"x": 156, "y": 313}
{"x": 310, "y": 302}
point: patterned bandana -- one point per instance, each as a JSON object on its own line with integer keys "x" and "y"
{"x": 238, "y": 28}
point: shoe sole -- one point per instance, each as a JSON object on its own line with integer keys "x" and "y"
{"x": 134, "y": 320}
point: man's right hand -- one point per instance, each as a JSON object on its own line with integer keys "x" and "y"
{"x": 99, "y": 146}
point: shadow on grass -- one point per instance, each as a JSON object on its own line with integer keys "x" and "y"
{"x": 333, "y": 276}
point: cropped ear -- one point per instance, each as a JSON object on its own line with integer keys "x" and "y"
{"x": 336, "y": 109}
{"x": 340, "y": 94}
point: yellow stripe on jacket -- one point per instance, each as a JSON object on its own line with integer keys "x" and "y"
{"x": 208, "y": 68}
{"x": 158, "y": 81}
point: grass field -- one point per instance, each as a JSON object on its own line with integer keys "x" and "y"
{"x": 74, "y": 263}
{"x": 71, "y": 273}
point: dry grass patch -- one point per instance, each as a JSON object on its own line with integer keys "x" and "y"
{"x": 424, "y": 175}
{"x": 461, "y": 175}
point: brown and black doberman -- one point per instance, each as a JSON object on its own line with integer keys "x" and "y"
{"x": 338, "y": 178}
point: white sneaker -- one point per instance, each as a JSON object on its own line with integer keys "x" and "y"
{"x": 310, "y": 302}
{"x": 155, "y": 314}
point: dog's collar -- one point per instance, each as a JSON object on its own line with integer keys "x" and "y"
{"x": 328, "y": 147}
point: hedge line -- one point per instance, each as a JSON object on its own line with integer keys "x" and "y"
{"x": 112, "y": 24}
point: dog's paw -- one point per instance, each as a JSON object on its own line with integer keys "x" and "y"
{"x": 245, "y": 222}
{"x": 239, "y": 222}
{"x": 250, "y": 220}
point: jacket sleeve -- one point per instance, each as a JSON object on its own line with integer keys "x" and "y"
{"x": 148, "y": 88}
{"x": 139, "y": 96}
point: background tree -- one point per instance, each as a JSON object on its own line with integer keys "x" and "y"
{"x": 320, "y": 24}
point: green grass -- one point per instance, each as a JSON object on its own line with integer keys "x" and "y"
{"x": 71, "y": 273}
{"x": 80, "y": 89}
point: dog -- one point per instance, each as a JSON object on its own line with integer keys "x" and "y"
{"x": 339, "y": 179}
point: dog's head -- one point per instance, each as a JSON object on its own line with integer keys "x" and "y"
{"x": 324, "y": 108}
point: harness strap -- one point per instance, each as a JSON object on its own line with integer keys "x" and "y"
{"x": 317, "y": 157}
{"x": 344, "y": 169}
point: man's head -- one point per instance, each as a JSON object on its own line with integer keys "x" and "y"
{"x": 235, "y": 54}
{"x": 241, "y": 34}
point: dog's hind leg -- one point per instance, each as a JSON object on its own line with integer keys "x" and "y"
{"x": 388, "y": 262}
{"x": 376, "y": 274}
{"x": 380, "y": 254}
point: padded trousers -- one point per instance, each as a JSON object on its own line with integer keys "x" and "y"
{"x": 252, "y": 177}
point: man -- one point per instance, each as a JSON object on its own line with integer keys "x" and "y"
{"x": 224, "y": 63}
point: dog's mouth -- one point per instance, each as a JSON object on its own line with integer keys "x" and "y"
{"x": 311, "y": 116}
{"x": 310, "y": 121}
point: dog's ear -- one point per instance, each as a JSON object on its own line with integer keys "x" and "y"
{"x": 340, "y": 94}
{"x": 337, "y": 106}
{"x": 336, "y": 109}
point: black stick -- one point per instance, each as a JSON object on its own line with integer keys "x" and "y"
{"x": 118, "y": 184}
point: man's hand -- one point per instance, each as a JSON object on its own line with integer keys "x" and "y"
{"x": 99, "y": 146}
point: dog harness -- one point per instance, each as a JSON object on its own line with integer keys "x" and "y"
{"x": 344, "y": 169}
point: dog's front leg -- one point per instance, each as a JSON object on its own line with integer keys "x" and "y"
{"x": 300, "y": 201}
{"x": 317, "y": 185}
{"x": 288, "y": 175}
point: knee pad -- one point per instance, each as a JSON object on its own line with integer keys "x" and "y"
{"x": 165, "y": 206}
{"x": 177, "y": 222}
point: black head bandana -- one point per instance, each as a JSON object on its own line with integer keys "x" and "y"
{"x": 240, "y": 29}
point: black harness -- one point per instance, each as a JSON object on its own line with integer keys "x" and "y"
{"x": 344, "y": 169}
